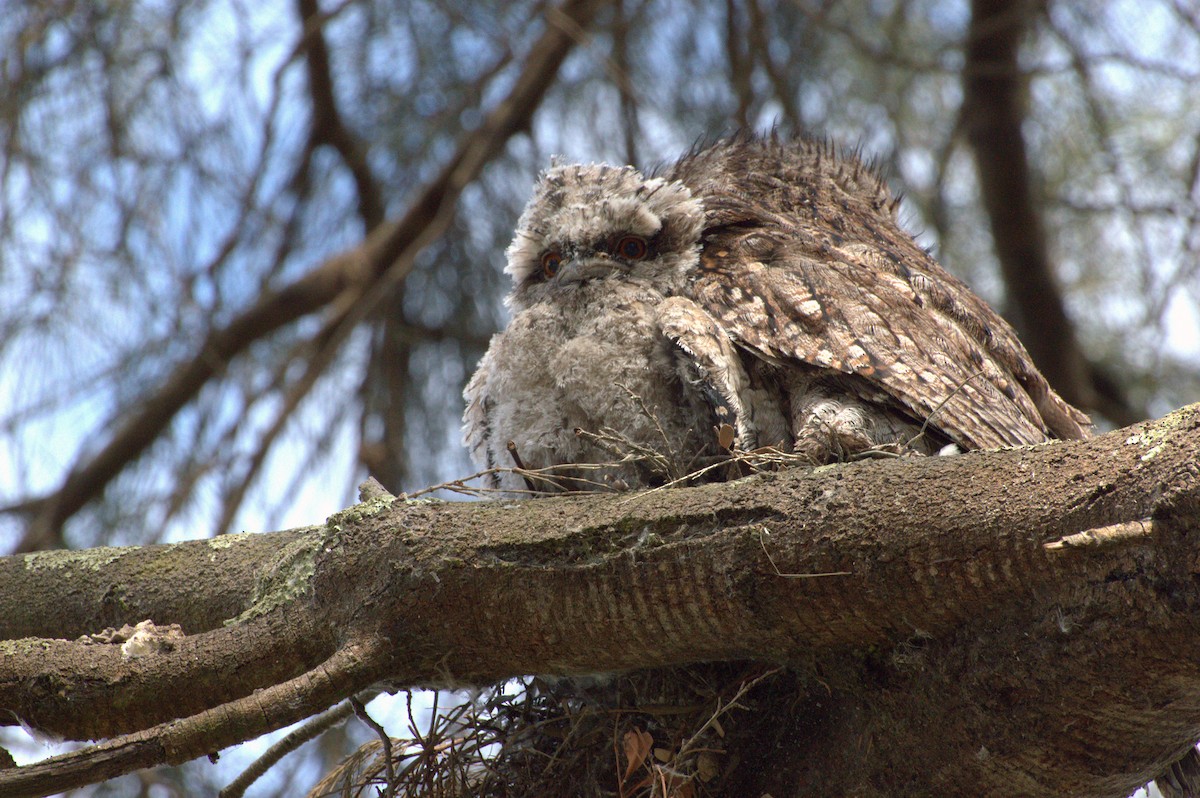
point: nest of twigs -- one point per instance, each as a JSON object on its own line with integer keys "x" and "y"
{"x": 663, "y": 733}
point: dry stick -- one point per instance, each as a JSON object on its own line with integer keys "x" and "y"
{"x": 360, "y": 712}
{"x": 671, "y": 455}
{"x": 721, "y": 709}
{"x": 312, "y": 728}
{"x": 520, "y": 464}
{"x": 628, "y": 450}
{"x": 763, "y": 534}
{"x": 546, "y": 474}
{"x": 1125, "y": 533}
{"x": 380, "y": 261}
{"x": 929, "y": 418}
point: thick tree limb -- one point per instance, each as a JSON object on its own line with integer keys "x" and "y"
{"x": 381, "y": 260}
{"x": 1048, "y": 591}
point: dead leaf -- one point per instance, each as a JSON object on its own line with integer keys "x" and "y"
{"x": 706, "y": 767}
{"x": 725, "y": 436}
{"x": 636, "y": 744}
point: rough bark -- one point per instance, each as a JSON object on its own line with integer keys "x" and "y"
{"x": 1011, "y": 622}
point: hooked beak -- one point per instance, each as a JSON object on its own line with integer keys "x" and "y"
{"x": 584, "y": 268}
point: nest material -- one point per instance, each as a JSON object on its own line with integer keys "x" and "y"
{"x": 662, "y": 733}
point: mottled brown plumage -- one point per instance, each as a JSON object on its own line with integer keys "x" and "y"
{"x": 761, "y": 283}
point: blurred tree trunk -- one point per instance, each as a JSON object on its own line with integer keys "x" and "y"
{"x": 994, "y": 111}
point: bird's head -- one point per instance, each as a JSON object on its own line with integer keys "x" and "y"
{"x": 594, "y": 223}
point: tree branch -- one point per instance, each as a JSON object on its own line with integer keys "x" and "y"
{"x": 1047, "y": 591}
{"x": 328, "y": 126}
{"x": 383, "y": 258}
{"x": 179, "y": 741}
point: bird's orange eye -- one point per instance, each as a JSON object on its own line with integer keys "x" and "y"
{"x": 631, "y": 248}
{"x": 550, "y": 262}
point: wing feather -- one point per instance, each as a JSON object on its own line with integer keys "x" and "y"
{"x": 804, "y": 261}
{"x": 931, "y": 352}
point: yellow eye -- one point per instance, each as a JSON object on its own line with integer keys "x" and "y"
{"x": 631, "y": 248}
{"x": 551, "y": 261}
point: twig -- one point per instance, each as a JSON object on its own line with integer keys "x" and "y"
{"x": 520, "y": 464}
{"x": 309, "y": 730}
{"x": 929, "y": 418}
{"x": 672, "y": 455}
{"x": 1122, "y": 534}
{"x": 732, "y": 703}
{"x": 361, "y": 713}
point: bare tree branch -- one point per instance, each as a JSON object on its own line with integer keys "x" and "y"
{"x": 380, "y": 261}
{"x": 1044, "y": 595}
{"x": 321, "y": 349}
{"x": 741, "y": 65}
{"x": 311, "y": 729}
{"x": 328, "y": 126}
{"x": 785, "y": 92}
{"x": 178, "y": 741}
{"x": 630, "y": 130}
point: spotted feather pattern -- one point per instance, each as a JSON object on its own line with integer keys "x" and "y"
{"x": 803, "y": 261}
